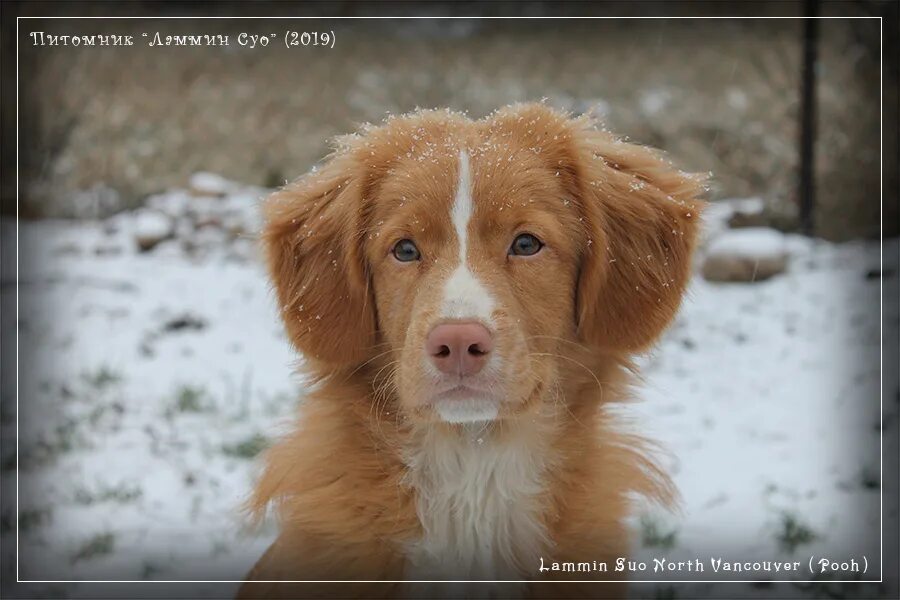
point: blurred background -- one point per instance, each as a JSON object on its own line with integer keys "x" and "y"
{"x": 101, "y": 131}
{"x": 152, "y": 369}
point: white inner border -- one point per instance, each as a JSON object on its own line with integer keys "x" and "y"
{"x": 880, "y": 347}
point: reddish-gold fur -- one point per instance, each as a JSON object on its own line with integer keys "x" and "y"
{"x": 620, "y": 226}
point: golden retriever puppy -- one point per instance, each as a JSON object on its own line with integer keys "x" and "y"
{"x": 468, "y": 296}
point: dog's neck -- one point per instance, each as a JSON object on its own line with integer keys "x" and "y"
{"x": 481, "y": 499}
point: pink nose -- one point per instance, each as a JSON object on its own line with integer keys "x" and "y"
{"x": 459, "y": 348}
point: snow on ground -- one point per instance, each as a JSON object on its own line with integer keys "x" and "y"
{"x": 767, "y": 397}
{"x": 150, "y": 380}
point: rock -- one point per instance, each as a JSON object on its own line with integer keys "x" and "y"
{"x": 117, "y": 223}
{"x": 244, "y": 207}
{"x": 150, "y": 228}
{"x": 715, "y": 221}
{"x": 169, "y": 249}
{"x": 209, "y": 184}
{"x": 723, "y": 212}
{"x": 235, "y": 225}
{"x": 174, "y": 203}
{"x": 204, "y": 240}
{"x": 731, "y": 213}
{"x": 243, "y": 250}
{"x": 748, "y": 212}
{"x": 205, "y": 211}
{"x": 184, "y": 228}
{"x": 749, "y": 254}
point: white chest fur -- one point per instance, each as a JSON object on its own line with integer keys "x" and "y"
{"x": 479, "y": 503}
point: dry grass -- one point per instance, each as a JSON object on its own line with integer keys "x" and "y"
{"x": 719, "y": 96}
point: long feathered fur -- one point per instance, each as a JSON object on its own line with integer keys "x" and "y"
{"x": 340, "y": 482}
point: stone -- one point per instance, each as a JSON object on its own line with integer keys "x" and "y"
{"x": 209, "y": 184}
{"x": 173, "y": 203}
{"x": 748, "y": 212}
{"x": 150, "y": 228}
{"x": 749, "y": 254}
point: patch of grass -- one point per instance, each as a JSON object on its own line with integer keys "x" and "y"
{"x": 120, "y": 493}
{"x": 64, "y": 438}
{"x": 247, "y": 448}
{"x": 189, "y": 399}
{"x": 220, "y": 548}
{"x": 793, "y": 533}
{"x": 824, "y": 587}
{"x": 99, "y": 545}
{"x": 665, "y": 592}
{"x": 183, "y": 322}
{"x": 870, "y": 478}
{"x": 102, "y": 378}
{"x": 102, "y": 411}
{"x": 653, "y": 536}
{"x": 150, "y": 571}
{"x": 34, "y": 517}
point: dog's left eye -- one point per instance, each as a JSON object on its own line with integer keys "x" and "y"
{"x": 525, "y": 244}
{"x": 406, "y": 251}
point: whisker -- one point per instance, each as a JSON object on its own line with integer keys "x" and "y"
{"x": 566, "y": 405}
{"x": 377, "y": 390}
{"x": 553, "y": 337}
{"x": 390, "y": 364}
{"x": 594, "y": 375}
{"x": 354, "y": 371}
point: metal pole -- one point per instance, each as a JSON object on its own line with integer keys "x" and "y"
{"x": 808, "y": 117}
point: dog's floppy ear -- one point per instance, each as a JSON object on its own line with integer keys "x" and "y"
{"x": 642, "y": 218}
{"x": 316, "y": 263}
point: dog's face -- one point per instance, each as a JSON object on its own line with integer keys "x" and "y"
{"x": 461, "y": 257}
{"x": 473, "y": 274}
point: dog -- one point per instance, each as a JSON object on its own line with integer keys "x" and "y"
{"x": 468, "y": 296}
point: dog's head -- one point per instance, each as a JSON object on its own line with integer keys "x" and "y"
{"x": 459, "y": 256}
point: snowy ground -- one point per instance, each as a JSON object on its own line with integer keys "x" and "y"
{"x": 150, "y": 380}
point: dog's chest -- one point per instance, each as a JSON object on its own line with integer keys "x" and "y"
{"x": 480, "y": 506}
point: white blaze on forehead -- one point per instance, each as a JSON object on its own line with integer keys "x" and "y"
{"x": 464, "y": 296}
{"x": 462, "y": 205}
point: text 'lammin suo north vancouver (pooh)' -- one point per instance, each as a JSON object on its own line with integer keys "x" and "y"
{"x": 713, "y": 565}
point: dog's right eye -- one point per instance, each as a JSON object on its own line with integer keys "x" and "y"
{"x": 406, "y": 251}
{"x": 525, "y": 244}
